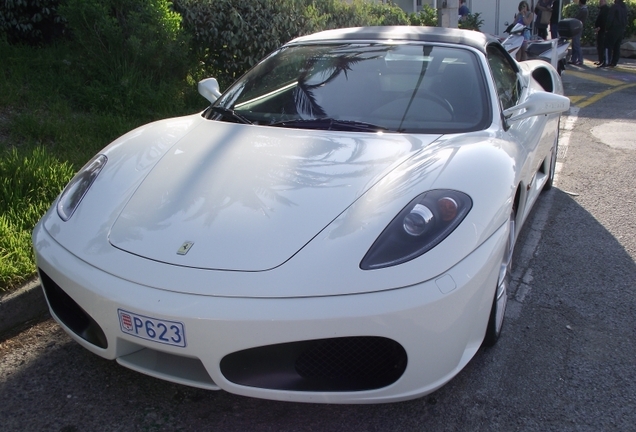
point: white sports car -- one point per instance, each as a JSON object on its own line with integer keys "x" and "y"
{"x": 336, "y": 227}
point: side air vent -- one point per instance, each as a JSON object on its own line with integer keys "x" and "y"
{"x": 543, "y": 77}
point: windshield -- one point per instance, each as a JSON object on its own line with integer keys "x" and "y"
{"x": 362, "y": 87}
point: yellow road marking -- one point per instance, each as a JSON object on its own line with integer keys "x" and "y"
{"x": 616, "y": 85}
{"x": 575, "y": 99}
{"x": 601, "y": 95}
{"x": 624, "y": 69}
{"x": 598, "y": 79}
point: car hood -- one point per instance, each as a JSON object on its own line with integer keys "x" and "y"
{"x": 247, "y": 198}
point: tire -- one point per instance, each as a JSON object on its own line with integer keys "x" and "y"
{"x": 560, "y": 66}
{"x": 495, "y": 322}
{"x": 553, "y": 158}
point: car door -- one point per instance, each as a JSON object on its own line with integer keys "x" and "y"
{"x": 530, "y": 134}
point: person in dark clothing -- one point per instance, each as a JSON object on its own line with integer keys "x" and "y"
{"x": 577, "y": 53}
{"x": 599, "y": 28}
{"x": 463, "y": 10}
{"x": 543, "y": 11}
{"x": 614, "y": 31}
{"x": 554, "y": 19}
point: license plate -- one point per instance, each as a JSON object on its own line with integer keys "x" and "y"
{"x": 152, "y": 329}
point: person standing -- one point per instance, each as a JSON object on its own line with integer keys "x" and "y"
{"x": 544, "y": 13}
{"x": 554, "y": 19}
{"x": 577, "y": 53}
{"x": 599, "y": 28}
{"x": 614, "y": 31}
{"x": 463, "y": 10}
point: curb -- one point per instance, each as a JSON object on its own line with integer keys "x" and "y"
{"x": 21, "y": 306}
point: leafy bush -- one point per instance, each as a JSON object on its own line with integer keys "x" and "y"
{"x": 630, "y": 31}
{"x": 379, "y": 14}
{"x": 33, "y": 22}
{"x": 390, "y": 14}
{"x": 129, "y": 53}
{"x": 341, "y": 14}
{"x": 428, "y": 16}
{"x": 230, "y": 36}
{"x": 471, "y": 22}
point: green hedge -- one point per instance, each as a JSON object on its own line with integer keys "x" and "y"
{"x": 341, "y": 14}
{"x": 127, "y": 53}
{"x": 427, "y": 16}
{"x": 230, "y": 36}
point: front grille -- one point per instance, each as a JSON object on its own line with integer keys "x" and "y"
{"x": 337, "y": 364}
{"x": 71, "y": 314}
{"x": 353, "y": 357}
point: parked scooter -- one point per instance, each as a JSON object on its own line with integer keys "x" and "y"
{"x": 514, "y": 41}
{"x": 554, "y": 51}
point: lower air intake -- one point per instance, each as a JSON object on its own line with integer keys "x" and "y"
{"x": 336, "y": 364}
{"x": 71, "y": 314}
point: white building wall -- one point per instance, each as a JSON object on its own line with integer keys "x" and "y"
{"x": 495, "y": 13}
{"x": 406, "y": 5}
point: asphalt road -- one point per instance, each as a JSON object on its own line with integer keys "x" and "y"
{"x": 565, "y": 362}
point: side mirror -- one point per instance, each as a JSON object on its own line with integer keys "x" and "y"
{"x": 209, "y": 89}
{"x": 540, "y": 103}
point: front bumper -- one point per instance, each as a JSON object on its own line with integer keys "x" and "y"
{"x": 439, "y": 324}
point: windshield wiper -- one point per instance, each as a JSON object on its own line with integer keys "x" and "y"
{"x": 326, "y": 123}
{"x": 229, "y": 113}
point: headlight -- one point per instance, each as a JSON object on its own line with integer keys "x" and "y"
{"x": 78, "y": 186}
{"x": 418, "y": 228}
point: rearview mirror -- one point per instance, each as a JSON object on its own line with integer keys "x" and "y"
{"x": 540, "y": 103}
{"x": 209, "y": 89}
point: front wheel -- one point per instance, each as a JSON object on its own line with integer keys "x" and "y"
{"x": 495, "y": 322}
{"x": 561, "y": 66}
{"x": 553, "y": 159}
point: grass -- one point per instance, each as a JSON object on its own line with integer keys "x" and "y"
{"x": 29, "y": 179}
{"x": 52, "y": 120}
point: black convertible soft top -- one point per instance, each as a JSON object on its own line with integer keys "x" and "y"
{"x": 401, "y": 33}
